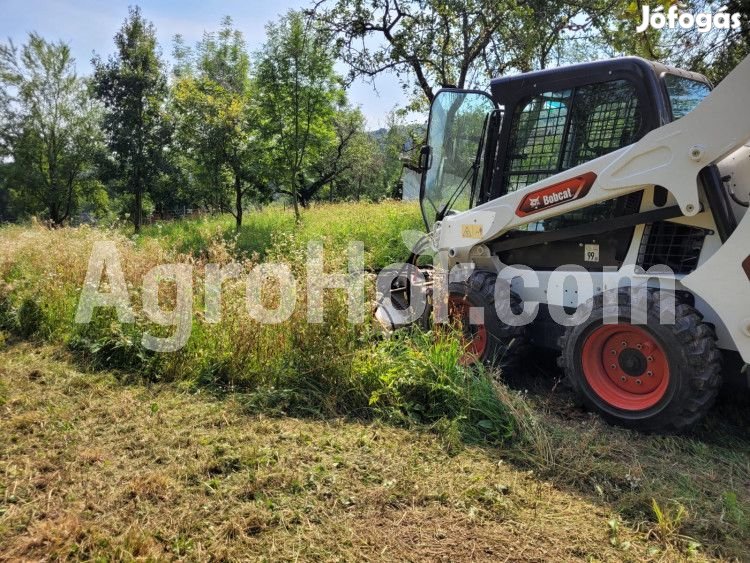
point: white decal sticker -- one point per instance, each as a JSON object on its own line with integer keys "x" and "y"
{"x": 591, "y": 253}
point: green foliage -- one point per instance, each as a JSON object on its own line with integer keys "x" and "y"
{"x": 7, "y": 315}
{"x": 50, "y": 132}
{"x": 714, "y": 52}
{"x": 418, "y": 378}
{"x": 217, "y": 121}
{"x": 334, "y": 368}
{"x": 230, "y": 133}
{"x": 717, "y": 52}
{"x": 30, "y": 318}
{"x": 106, "y": 344}
{"x": 299, "y": 94}
{"x": 133, "y": 88}
{"x": 436, "y": 43}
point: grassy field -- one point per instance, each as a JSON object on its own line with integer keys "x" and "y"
{"x": 319, "y": 442}
{"x": 92, "y": 468}
{"x": 378, "y": 226}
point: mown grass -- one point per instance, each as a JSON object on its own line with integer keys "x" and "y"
{"x": 91, "y": 469}
{"x": 684, "y": 490}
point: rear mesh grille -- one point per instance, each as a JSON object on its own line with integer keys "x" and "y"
{"x": 671, "y": 244}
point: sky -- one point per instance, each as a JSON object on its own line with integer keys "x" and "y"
{"x": 88, "y": 26}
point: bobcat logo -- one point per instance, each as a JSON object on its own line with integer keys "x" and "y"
{"x": 534, "y": 201}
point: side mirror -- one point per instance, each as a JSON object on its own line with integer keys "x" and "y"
{"x": 424, "y": 158}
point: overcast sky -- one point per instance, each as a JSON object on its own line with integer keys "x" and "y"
{"x": 89, "y": 26}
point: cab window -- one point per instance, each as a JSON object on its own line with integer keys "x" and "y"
{"x": 684, "y": 94}
{"x": 555, "y": 131}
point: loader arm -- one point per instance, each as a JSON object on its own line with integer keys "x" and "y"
{"x": 671, "y": 156}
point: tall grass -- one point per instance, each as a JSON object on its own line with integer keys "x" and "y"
{"x": 377, "y": 225}
{"x": 329, "y": 369}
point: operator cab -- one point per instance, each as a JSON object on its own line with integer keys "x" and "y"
{"x": 481, "y": 145}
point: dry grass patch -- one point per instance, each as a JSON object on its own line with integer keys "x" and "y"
{"x": 134, "y": 472}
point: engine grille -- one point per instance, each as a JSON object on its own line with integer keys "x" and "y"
{"x": 671, "y": 244}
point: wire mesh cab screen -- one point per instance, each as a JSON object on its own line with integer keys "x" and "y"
{"x": 555, "y": 131}
{"x": 671, "y": 244}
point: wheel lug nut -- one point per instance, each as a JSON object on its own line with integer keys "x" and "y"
{"x": 613, "y": 352}
{"x": 624, "y": 344}
{"x": 638, "y": 381}
{"x": 650, "y": 373}
{"x": 613, "y": 366}
{"x": 623, "y": 378}
{"x": 639, "y": 346}
{"x": 650, "y": 358}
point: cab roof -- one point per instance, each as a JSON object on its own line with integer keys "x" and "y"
{"x": 636, "y": 64}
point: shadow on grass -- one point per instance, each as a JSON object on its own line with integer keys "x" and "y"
{"x": 703, "y": 473}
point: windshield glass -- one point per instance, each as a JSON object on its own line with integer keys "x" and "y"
{"x": 684, "y": 93}
{"x": 457, "y": 123}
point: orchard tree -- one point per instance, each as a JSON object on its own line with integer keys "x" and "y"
{"x": 48, "y": 128}
{"x": 133, "y": 88}
{"x": 336, "y": 158}
{"x": 717, "y": 51}
{"x": 429, "y": 44}
{"x": 400, "y": 138}
{"x": 298, "y": 95}
{"x": 217, "y": 122}
{"x": 363, "y": 178}
{"x": 713, "y": 52}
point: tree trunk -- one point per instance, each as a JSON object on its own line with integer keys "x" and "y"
{"x": 54, "y": 214}
{"x": 138, "y": 205}
{"x": 295, "y": 200}
{"x": 238, "y": 200}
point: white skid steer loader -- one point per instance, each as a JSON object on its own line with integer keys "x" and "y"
{"x": 600, "y": 210}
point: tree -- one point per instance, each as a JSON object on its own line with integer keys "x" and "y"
{"x": 399, "y": 138}
{"x": 49, "y": 126}
{"x": 716, "y": 52}
{"x": 298, "y": 95}
{"x": 433, "y": 43}
{"x": 363, "y": 178}
{"x": 132, "y": 85}
{"x": 336, "y": 158}
{"x": 712, "y": 52}
{"x": 215, "y": 114}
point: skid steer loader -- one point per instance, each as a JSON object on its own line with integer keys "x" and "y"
{"x": 601, "y": 176}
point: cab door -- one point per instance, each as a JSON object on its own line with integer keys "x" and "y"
{"x": 452, "y": 162}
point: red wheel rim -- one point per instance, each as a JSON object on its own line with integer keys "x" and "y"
{"x": 475, "y": 335}
{"x": 625, "y": 366}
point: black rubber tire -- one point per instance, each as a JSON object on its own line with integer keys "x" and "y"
{"x": 506, "y": 345}
{"x": 692, "y": 353}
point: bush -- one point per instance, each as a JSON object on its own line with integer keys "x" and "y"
{"x": 417, "y": 378}
{"x": 30, "y": 318}
{"x": 106, "y": 344}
